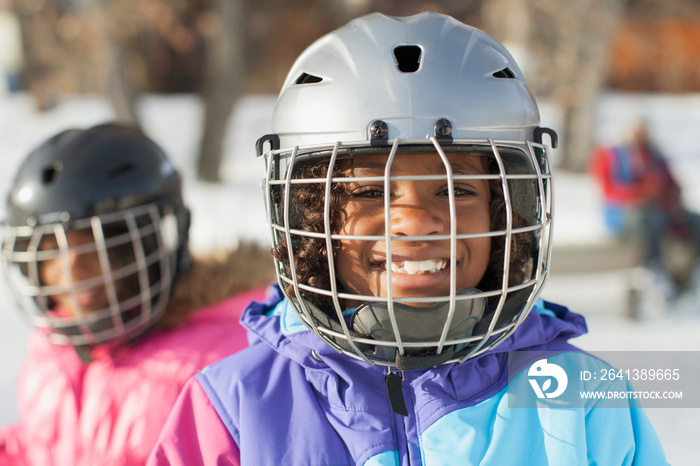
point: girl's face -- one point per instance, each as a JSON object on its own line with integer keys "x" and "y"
{"x": 421, "y": 268}
{"x": 83, "y": 266}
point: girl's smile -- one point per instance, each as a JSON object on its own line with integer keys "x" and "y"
{"x": 418, "y": 267}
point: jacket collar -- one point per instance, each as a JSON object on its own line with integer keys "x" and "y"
{"x": 275, "y": 322}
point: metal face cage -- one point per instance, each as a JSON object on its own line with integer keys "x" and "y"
{"x": 421, "y": 331}
{"x": 131, "y": 254}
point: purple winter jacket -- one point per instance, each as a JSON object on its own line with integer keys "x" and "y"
{"x": 291, "y": 399}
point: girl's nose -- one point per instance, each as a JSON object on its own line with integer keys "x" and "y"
{"x": 412, "y": 215}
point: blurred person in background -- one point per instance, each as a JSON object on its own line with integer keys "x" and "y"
{"x": 642, "y": 203}
{"x": 95, "y": 249}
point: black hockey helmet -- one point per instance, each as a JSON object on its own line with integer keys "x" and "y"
{"x": 118, "y": 185}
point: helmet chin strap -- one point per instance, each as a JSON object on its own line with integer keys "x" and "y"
{"x": 417, "y": 324}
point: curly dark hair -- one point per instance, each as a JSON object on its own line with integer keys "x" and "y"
{"x": 311, "y": 254}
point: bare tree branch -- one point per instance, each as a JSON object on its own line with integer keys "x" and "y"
{"x": 223, "y": 81}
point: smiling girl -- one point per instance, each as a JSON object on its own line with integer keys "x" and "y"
{"x": 409, "y": 200}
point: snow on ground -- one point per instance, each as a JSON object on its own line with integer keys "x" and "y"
{"x": 226, "y": 212}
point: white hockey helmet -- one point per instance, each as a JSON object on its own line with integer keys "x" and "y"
{"x": 385, "y": 85}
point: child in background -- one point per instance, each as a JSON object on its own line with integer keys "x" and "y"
{"x": 409, "y": 198}
{"x": 95, "y": 248}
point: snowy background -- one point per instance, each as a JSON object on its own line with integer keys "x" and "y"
{"x": 225, "y": 212}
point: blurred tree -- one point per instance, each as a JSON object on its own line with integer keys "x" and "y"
{"x": 579, "y": 67}
{"x": 224, "y": 79}
{"x": 566, "y": 59}
{"x": 119, "y": 89}
{"x": 38, "y": 42}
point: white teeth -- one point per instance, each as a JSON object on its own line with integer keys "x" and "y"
{"x": 417, "y": 267}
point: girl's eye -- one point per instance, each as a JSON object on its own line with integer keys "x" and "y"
{"x": 461, "y": 190}
{"x": 368, "y": 191}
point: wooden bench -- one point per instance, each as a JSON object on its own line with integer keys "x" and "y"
{"x": 601, "y": 256}
{"x": 617, "y": 255}
{"x": 604, "y": 256}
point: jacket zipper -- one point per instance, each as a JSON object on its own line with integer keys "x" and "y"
{"x": 394, "y": 384}
{"x": 395, "y": 392}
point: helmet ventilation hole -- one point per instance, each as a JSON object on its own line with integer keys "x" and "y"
{"x": 505, "y": 73}
{"x": 305, "y": 78}
{"x": 50, "y": 174}
{"x": 407, "y": 58}
{"x": 120, "y": 170}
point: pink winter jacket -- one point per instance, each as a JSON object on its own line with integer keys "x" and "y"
{"x": 110, "y": 411}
